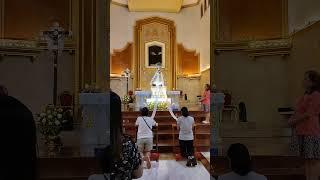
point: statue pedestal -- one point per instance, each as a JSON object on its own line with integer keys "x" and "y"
{"x": 141, "y": 99}
{"x": 142, "y": 96}
{"x": 95, "y": 130}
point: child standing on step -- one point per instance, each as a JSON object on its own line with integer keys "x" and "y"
{"x": 145, "y": 134}
{"x": 185, "y": 124}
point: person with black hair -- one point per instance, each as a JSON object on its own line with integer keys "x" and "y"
{"x": 19, "y": 138}
{"x": 185, "y": 124}
{"x": 241, "y": 166}
{"x": 145, "y": 134}
{"x": 120, "y": 160}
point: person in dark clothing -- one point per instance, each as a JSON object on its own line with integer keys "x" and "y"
{"x": 18, "y": 134}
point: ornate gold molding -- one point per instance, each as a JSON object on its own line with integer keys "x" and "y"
{"x": 119, "y": 4}
{"x": 31, "y": 49}
{"x": 191, "y": 5}
{"x": 182, "y": 50}
{"x": 205, "y": 70}
{"x": 171, "y": 44}
{"x": 121, "y": 49}
{"x": 183, "y": 6}
{"x": 194, "y": 76}
{"x": 271, "y": 47}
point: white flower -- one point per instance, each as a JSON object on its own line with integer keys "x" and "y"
{"x": 59, "y": 116}
{"x": 48, "y": 112}
{"x": 50, "y": 117}
{"x": 64, "y": 121}
{"x": 57, "y": 123}
{"x": 44, "y": 120}
{"x": 42, "y": 114}
{"x": 60, "y": 110}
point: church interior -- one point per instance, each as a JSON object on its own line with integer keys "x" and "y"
{"x": 149, "y": 52}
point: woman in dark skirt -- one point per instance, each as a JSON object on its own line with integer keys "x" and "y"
{"x": 306, "y": 124}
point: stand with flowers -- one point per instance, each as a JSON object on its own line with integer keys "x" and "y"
{"x": 126, "y": 101}
{"x": 50, "y": 126}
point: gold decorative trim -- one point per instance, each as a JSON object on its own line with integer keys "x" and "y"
{"x": 9, "y": 43}
{"x": 25, "y": 48}
{"x": 269, "y": 53}
{"x": 121, "y": 49}
{"x": 191, "y": 5}
{"x": 182, "y": 7}
{"x": 197, "y": 54}
{"x": 266, "y": 44}
{"x": 305, "y": 28}
{"x": 115, "y": 76}
{"x": 272, "y": 47}
{"x": 205, "y": 70}
{"x": 137, "y": 55}
{"x": 253, "y": 45}
{"x": 184, "y": 76}
{"x": 119, "y": 4}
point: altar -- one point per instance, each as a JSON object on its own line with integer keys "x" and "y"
{"x": 142, "y": 96}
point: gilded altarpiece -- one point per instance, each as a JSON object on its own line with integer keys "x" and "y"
{"x": 159, "y": 31}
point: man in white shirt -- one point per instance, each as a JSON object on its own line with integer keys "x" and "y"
{"x": 145, "y": 134}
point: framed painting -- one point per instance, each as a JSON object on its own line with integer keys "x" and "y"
{"x": 155, "y": 53}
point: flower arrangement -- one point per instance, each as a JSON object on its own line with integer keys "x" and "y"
{"x": 126, "y": 99}
{"x": 50, "y": 121}
{"x": 162, "y": 106}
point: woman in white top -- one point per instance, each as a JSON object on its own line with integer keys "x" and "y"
{"x": 145, "y": 134}
{"x": 240, "y": 162}
{"x": 185, "y": 125}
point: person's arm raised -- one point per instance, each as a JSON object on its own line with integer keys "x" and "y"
{"x": 171, "y": 113}
{"x": 154, "y": 109}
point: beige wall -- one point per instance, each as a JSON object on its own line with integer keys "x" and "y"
{"x": 305, "y": 56}
{"x": 261, "y": 83}
{"x": 123, "y": 22}
{"x": 300, "y": 13}
{"x": 189, "y": 86}
{"x": 205, "y": 79}
{"x": 32, "y": 83}
{"x": 204, "y": 44}
{"x": 192, "y": 32}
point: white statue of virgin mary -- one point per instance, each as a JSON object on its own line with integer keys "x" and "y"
{"x": 157, "y": 79}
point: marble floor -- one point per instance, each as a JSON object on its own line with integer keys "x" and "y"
{"x": 174, "y": 170}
